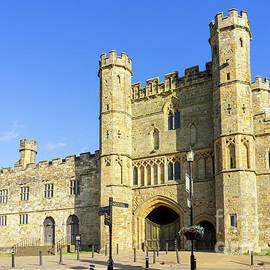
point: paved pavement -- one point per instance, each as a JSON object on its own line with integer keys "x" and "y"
{"x": 125, "y": 262}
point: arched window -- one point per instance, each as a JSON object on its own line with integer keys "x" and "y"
{"x": 177, "y": 171}
{"x": 142, "y": 176}
{"x": 232, "y": 156}
{"x": 135, "y": 176}
{"x": 240, "y": 42}
{"x": 193, "y": 134}
{"x": 156, "y": 139}
{"x": 148, "y": 175}
{"x": 246, "y": 156}
{"x": 170, "y": 171}
{"x": 170, "y": 121}
{"x": 162, "y": 180}
{"x": 177, "y": 120}
{"x": 155, "y": 174}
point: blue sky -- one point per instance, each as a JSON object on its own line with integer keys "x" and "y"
{"x": 49, "y": 51}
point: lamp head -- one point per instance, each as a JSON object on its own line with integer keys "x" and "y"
{"x": 190, "y": 154}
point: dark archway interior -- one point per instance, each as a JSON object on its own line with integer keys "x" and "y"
{"x": 207, "y": 225}
{"x": 162, "y": 215}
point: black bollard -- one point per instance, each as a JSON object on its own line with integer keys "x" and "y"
{"x": 92, "y": 267}
{"x": 154, "y": 256}
{"x": 117, "y": 249}
{"x": 78, "y": 253}
{"x": 157, "y": 249}
{"x": 251, "y": 257}
{"x": 60, "y": 257}
{"x": 12, "y": 259}
{"x": 177, "y": 256}
{"x": 146, "y": 263}
{"x": 167, "y": 247}
{"x": 93, "y": 251}
{"x": 106, "y": 250}
{"x": 40, "y": 257}
{"x": 195, "y": 264}
{"x": 134, "y": 254}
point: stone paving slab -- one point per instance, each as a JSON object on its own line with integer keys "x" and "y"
{"x": 125, "y": 262}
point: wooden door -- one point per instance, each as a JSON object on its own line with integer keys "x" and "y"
{"x": 49, "y": 231}
{"x": 158, "y": 235}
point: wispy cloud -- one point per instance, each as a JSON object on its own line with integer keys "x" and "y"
{"x": 11, "y": 134}
{"x": 54, "y": 145}
{"x": 84, "y": 149}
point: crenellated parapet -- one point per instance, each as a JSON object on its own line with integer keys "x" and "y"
{"x": 83, "y": 158}
{"x": 28, "y": 145}
{"x": 172, "y": 82}
{"x": 113, "y": 60}
{"x": 260, "y": 84}
{"x": 232, "y": 20}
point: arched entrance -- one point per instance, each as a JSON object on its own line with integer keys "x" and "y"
{"x": 72, "y": 229}
{"x": 150, "y": 217}
{"x": 207, "y": 243}
{"x": 49, "y": 231}
{"x": 162, "y": 226}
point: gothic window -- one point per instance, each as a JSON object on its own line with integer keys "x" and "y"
{"x": 176, "y": 120}
{"x": 142, "y": 176}
{"x": 177, "y": 171}
{"x": 156, "y": 139}
{"x": 201, "y": 168}
{"x": 232, "y": 164}
{"x": 246, "y": 156}
{"x": 162, "y": 180}
{"x": 170, "y": 171}
{"x": 228, "y": 76}
{"x": 155, "y": 174}
{"x": 218, "y": 158}
{"x": 193, "y": 134}
{"x": 170, "y": 121}
{"x": 148, "y": 175}
{"x": 135, "y": 176}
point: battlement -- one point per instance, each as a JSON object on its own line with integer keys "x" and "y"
{"x": 233, "y": 18}
{"x": 172, "y": 81}
{"x": 82, "y": 158}
{"x": 122, "y": 61}
{"x": 28, "y": 145}
{"x": 260, "y": 84}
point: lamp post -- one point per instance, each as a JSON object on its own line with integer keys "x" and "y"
{"x": 190, "y": 158}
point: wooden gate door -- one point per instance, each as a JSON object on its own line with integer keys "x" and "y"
{"x": 49, "y": 231}
{"x": 156, "y": 234}
{"x": 72, "y": 229}
{"x": 208, "y": 241}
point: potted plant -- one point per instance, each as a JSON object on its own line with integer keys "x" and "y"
{"x": 193, "y": 232}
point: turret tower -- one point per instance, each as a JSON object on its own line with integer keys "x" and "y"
{"x": 28, "y": 152}
{"x": 236, "y": 192}
{"x": 115, "y": 144}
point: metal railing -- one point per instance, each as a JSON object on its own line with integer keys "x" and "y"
{"x": 26, "y": 243}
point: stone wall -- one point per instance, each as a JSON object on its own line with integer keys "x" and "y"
{"x": 59, "y": 172}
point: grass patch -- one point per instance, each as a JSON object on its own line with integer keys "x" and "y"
{"x": 5, "y": 254}
{"x": 265, "y": 253}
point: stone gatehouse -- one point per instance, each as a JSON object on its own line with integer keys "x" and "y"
{"x": 144, "y": 133}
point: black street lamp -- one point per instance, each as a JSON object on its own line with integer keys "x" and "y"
{"x": 190, "y": 159}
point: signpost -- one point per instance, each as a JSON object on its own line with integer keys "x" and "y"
{"x": 107, "y": 212}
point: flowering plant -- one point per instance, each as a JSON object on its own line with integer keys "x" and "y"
{"x": 193, "y": 232}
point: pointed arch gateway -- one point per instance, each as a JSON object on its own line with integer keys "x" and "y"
{"x": 72, "y": 229}
{"x": 157, "y": 222}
